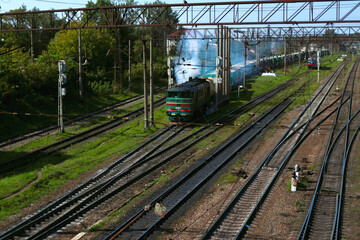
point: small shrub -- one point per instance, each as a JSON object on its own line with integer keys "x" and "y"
{"x": 101, "y": 88}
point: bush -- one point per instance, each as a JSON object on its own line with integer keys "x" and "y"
{"x": 101, "y": 88}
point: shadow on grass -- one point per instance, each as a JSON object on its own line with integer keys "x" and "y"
{"x": 325, "y": 68}
{"x": 27, "y": 164}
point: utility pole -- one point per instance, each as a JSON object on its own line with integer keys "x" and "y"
{"x": 285, "y": 56}
{"x": 257, "y": 49}
{"x": 146, "y": 124}
{"x": 225, "y": 64}
{"x": 151, "y": 85}
{"x": 299, "y": 55}
{"x": 217, "y": 57}
{"x": 80, "y": 69}
{"x": 318, "y": 64}
{"x": 129, "y": 65}
{"x": 115, "y": 60}
{"x": 32, "y": 39}
{"x": 245, "y": 56}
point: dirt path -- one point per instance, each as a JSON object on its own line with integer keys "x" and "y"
{"x": 38, "y": 176}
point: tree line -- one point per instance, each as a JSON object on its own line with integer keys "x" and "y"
{"x": 33, "y": 78}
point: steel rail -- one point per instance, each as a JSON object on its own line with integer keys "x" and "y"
{"x": 45, "y": 212}
{"x": 136, "y": 216}
{"x": 283, "y": 140}
{"x": 205, "y": 162}
{"x": 25, "y": 159}
{"x": 321, "y": 175}
{"x": 286, "y": 159}
{"x": 305, "y": 227}
{"x": 292, "y": 151}
{"x": 339, "y": 204}
{"x": 335, "y": 231}
{"x": 11, "y": 232}
{"x": 85, "y": 206}
{"x": 30, "y": 221}
{"x": 140, "y": 213}
{"x": 268, "y": 94}
{"x": 250, "y": 181}
{"x": 67, "y": 122}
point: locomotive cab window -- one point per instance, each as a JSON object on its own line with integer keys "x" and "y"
{"x": 173, "y": 94}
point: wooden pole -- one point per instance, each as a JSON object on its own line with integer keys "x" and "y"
{"x": 285, "y": 56}
{"x": 32, "y": 40}
{"x": 146, "y": 124}
{"x": 80, "y": 69}
{"x": 151, "y": 85}
{"x": 129, "y": 65}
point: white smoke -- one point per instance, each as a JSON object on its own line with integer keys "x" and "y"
{"x": 187, "y": 68}
{"x": 191, "y": 52}
{"x": 197, "y": 57}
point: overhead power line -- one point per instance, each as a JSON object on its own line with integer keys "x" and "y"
{"x": 65, "y": 3}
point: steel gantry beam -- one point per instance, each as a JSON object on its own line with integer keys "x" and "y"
{"x": 191, "y": 14}
{"x": 319, "y": 32}
{"x": 343, "y": 33}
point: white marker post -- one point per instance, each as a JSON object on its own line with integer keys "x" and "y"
{"x": 293, "y": 184}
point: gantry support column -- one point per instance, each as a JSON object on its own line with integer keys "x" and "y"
{"x": 229, "y": 64}
{"x": 245, "y": 56}
{"x": 80, "y": 69}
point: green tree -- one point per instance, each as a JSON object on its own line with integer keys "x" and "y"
{"x": 96, "y": 49}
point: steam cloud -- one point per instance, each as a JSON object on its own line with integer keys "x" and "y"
{"x": 197, "y": 57}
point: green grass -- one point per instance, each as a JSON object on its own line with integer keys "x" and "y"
{"x": 229, "y": 176}
{"x": 42, "y": 115}
{"x": 97, "y": 226}
{"x": 51, "y": 139}
{"x": 299, "y": 204}
{"x": 14, "y": 183}
{"x": 311, "y": 168}
{"x": 69, "y": 164}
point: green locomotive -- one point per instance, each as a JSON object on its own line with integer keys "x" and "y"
{"x": 186, "y": 100}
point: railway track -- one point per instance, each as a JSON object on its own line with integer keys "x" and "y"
{"x": 143, "y": 223}
{"x": 87, "y": 117}
{"x": 324, "y": 215}
{"x": 31, "y": 156}
{"x": 118, "y": 177}
{"x": 234, "y": 220}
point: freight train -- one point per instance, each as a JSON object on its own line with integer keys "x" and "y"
{"x": 265, "y": 64}
{"x": 188, "y": 99}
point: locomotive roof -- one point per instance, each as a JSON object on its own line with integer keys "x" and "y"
{"x": 188, "y": 86}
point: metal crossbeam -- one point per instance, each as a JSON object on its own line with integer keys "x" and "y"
{"x": 192, "y": 14}
{"x": 344, "y": 33}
